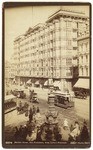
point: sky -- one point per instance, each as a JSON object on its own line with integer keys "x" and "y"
{"x": 18, "y": 20}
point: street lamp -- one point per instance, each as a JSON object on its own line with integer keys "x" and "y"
{"x": 51, "y": 116}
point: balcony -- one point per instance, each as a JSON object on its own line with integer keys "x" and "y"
{"x": 75, "y": 29}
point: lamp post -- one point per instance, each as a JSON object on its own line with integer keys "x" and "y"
{"x": 51, "y": 116}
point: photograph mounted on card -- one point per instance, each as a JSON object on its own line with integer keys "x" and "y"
{"x": 46, "y": 75}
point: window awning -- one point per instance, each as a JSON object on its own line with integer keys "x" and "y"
{"x": 82, "y": 83}
{"x": 37, "y": 82}
{"x": 9, "y": 97}
{"x": 50, "y": 81}
{"x": 46, "y": 83}
{"x": 29, "y": 81}
{"x": 57, "y": 84}
{"x": 14, "y": 80}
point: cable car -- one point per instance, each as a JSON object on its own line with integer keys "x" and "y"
{"x": 63, "y": 100}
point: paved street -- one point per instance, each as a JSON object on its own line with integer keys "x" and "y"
{"x": 80, "y": 110}
{"x": 71, "y": 114}
{"x": 80, "y": 104}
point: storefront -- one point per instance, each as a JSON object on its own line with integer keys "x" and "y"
{"x": 82, "y": 88}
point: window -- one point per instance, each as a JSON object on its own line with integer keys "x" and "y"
{"x": 82, "y": 71}
{"x": 69, "y": 42}
{"x": 81, "y": 59}
{"x": 86, "y": 58}
{"x": 68, "y": 24}
{"x": 87, "y": 71}
{"x": 86, "y": 46}
{"x": 68, "y": 72}
{"x": 68, "y": 61}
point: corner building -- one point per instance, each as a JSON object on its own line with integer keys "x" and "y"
{"x": 49, "y": 51}
{"x": 84, "y": 60}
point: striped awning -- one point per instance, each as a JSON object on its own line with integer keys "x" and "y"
{"x": 57, "y": 84}
{"x": 9, "y": 97}
{"x": 37, "y": 82}
{"x": 29, "y": 81}
{"x": 46, "y": 83}
{"x": 82, "y": 83}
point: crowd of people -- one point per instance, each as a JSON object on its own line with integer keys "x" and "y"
{"x": 36, "y": 129}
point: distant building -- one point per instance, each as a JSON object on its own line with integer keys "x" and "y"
{"x": 9, "y": 72}
{"x": 49, "y": 51}
{"x": 9, "y": 76}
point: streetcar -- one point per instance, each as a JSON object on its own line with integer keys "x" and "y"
{"x": 9, "y": 103}
{"x": 64, "y": 100}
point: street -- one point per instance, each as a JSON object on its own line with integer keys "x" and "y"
{"x": 77, "y": 113}
{"x": 80, "y": 104}
{"x": 80, "y": 110}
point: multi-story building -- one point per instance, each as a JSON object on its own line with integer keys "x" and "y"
{"x": 49, "y": 51}
{"x": 9, "y": 72}
{"x": 9, "y": 75}
{"x": 84, "y": 59}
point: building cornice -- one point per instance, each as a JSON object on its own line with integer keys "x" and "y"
{"x": 65, "y": 13}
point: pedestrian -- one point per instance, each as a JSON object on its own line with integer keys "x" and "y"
{"x": 34, "y": 110}
{"x": 16, "y": 134}
{"x": 57, "y": 133}
{"x": 20, "y": 104}
{"x": 71, "y": 128}
{"x": 24, "y": 134}
{"x": 28, "y": 137}
{"x": 30, "y": 95}
{"x": 38, "y": 139}
{"x": 49, "y": 134}
{"x": 84, "y": 133}
{"x": 32, "y": 136}
{"x": 65, "y": 124}
{"x": 74, "y": 135}
{"x": 30, "y": 115}
{"x": 21, "y": 133}
{"x": 38, "y": 110}
{"x": 65, "y": 131}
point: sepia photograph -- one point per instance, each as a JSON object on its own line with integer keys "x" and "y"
{"x": 46, "y": 88}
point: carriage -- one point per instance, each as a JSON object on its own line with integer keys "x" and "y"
{"x": 9, "y": 103}
{"x": 81, "y": 94}
{"x": 33, "y": 97}
{"x": 22, "y": 108}
{"x": 19, "y": 93}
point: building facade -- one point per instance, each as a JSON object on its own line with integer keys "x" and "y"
{"x": 9, "y": 72}
{"x": 84, "y": 59}
{"x": 9, "y": 76}
{"x": 50, "y": 50}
